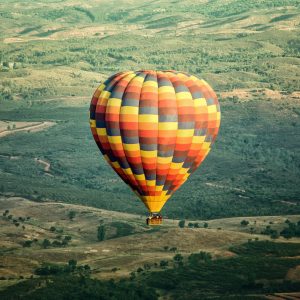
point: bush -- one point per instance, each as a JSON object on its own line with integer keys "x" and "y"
{"x": 178, "y": 257}
{"x": 56, "y": 243}
{"x": 46, "y": 243}
{"x": 52, "y": 228}
{"x": 202, "y": 256}
{"x": 244, "y": 222}
{"x": 27, "y": 244}
{"x": 68, "y": 238}
{"x": 163, "y": 263}
{"x": 181, "y": 223}
{"x": 71, "y": 214}
{"x": 274, "y": 234}
{"x": 101, "y": 233}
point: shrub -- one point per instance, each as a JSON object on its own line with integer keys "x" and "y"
{"x": 27, "y": 244}
{"x": 163, "y": 263}
{"x": 71, "y": 214}
{"x": 101, "y": 233}
{"x": 52, "y": 228}
{"x": 181, "y": 223}
{"x": 46, "y": 243}
{"x": 178, "y": 257}
{"x": 244, "y": 222}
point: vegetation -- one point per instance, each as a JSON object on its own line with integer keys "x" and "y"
{"x": 258, "y": 268}
{"x": 77, "y": 287}
{"x": 244, "y": 222}
{"x": 250, "y": 64}
{"x": 101, "y": 233}
{"x": 293, "y": 230}
{"x": 71, "y": 214}
{"x": 181, "y": 223}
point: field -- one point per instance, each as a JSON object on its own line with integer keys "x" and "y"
{"x": 131, "y": 249}
{"x": 54, "y": 54}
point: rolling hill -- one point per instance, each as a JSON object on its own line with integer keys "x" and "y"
{"x": 128, "y": 245}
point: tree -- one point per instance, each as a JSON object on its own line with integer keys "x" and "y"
{"x": 205, "y": 225}
{"x": 52, "y": 228}
{"x": 71, "y": 214}
{"x": 244, "y": 222}
{"x": 202, "y": 256}
{"x": 190, "y": 225}
{"x": 68, "y": 238}
{"x": 56, "y": 243}
{"x": 27, "y": 244}
{"x": 274, "y": 234}
{"x": 181, "y": 223}
{"x": 101, "y": 233}
{"x": 72, "y": 264}
{"x": 178, "y": 258}
{"x": 46, "y": 243}
{"x": 163, "y": 263}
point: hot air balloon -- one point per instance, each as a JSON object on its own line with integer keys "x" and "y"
{"x": 154, "y": 128}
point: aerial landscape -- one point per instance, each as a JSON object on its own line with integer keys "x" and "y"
{"x": 71, "y": 229}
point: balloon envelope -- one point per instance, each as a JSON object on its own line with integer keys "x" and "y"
{"x": 154, "y": 128}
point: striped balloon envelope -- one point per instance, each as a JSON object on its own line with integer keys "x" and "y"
{"x": 154, "y": 128}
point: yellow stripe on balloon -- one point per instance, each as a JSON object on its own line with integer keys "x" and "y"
{"x": 150, "y": 153}
{"x": 167, "y": 125}
{"x": 148, "y": 119}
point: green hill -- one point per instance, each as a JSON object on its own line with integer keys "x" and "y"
{"x": 54, "y": 54}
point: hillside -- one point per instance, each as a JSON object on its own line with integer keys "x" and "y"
{"x": 129, "y": 245}
{"x": 55, "y": 53}
{"x": 140, "y": 244}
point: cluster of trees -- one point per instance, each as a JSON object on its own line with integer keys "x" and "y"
{"x": 17, "y": 220}
{"x": 119, "y": 228}
{"x": 292, "y": 230}
{"x": 62, "y": 242}
{"x": 47, "y": 269}
{"x": 260, "y": 267}
{"x": 181, "y": 224}
{"x": 73, "y": 286}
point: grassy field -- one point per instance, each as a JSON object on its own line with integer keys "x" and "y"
{"x": 131, "y": 249}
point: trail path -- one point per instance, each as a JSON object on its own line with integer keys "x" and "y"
{"x": 45, "y": 163}
{"x": 32, "y": 128}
